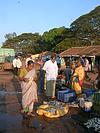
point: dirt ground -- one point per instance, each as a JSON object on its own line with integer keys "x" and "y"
{"x": 11, "y": 121}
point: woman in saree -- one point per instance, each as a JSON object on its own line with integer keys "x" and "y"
{"x": 78, "y": 78}
{"x": 28, "y": 78}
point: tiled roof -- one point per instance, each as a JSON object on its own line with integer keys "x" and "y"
{"x": 87, "y": 50}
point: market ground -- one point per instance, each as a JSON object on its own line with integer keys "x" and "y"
{"x": 11, "y": 121}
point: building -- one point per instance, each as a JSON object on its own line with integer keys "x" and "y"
{"x": 86, "y": 51}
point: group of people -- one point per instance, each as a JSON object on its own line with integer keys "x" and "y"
{"x": 73, "y": 76}
{"x": 28, "y": 76}
{"x": 17, "y": 63}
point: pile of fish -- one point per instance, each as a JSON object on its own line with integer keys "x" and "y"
{"x": 56, "y": 104}
{"x": 53, "y": 109}
{"x": 93, "y": 123}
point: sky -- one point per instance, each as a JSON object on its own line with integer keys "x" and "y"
{"x": 30, "y": 16}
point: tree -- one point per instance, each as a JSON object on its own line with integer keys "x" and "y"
{"x": 10, "y": 35}
{"x": 53, "y": 37}
{"x": 87, "y": 26}
{"x": 26, "y": 43}
{"x": 66, "y": 43}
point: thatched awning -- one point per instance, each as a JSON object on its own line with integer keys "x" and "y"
{"x": 83, "y": 51}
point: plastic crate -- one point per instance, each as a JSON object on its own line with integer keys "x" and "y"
{"x": 60, "y": 95}
{"x": 89, "y": 92}
{"x": 70, "y": 96}
{"x": 67, "y": 95}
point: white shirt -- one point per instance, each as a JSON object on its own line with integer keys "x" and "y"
{"x": 17, "y": 63}
{"x": 51, "y": 70}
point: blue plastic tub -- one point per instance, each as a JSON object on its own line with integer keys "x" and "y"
{"x": 89, "y": 92}
{"x": 67, "y": 95}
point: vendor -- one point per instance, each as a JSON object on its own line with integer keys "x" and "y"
{"x": 78, "y": 77}
{"x": 51, "y": 69}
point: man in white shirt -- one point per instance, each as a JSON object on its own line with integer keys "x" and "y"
{"x": 51, "y": 69}
{"x": 17, "y": 64}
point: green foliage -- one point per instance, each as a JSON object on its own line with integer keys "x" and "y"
{"x": 26, "y": 43}
{"x": 87, "y": 27}
{"x": 66, "y": 43}
{"x": 54, "y": 36}
{"x": 10, "y": 35}
{"x": 83, "y": 31}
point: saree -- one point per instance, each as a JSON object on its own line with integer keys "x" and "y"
{"x": 29, "y": 90}
{"x": 78, "y": 79}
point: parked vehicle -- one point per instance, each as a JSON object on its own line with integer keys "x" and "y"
{"x": 6, "y": 58}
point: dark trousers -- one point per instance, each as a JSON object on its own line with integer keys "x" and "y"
{"x": 15, "y": 70}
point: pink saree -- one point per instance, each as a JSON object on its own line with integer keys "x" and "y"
{"x": 29, "y": 91}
